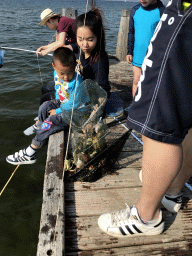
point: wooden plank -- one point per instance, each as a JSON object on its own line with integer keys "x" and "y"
{"x": 53, "y": 197}
{"x": 95, "y": 202}
{"x": 173, "y": 248}
{"x": 132, "y": 145}
{"x": 89, "y": 203}
{"x": 128, "y": 159}
{"x": 119, "y": 178}
{"x": 88, "y": 236}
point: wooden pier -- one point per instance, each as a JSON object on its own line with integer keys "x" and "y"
{"x": 77, "y": 205}
{"x": 77, "y": 232}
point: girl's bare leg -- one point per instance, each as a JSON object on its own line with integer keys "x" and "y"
{"x": 186, "y": 169}
{"x": 161, "y": 163}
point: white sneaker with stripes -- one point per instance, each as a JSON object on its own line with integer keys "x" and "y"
{"x": 30, "y": 130}
{"x": 21, "y": 157}
{"x": 171, "y": 203}
{"x": 129, "y": 224}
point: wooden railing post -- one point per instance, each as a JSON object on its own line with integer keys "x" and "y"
{"x": 121, "y": 50}
{"x": 52, "y": 223}
{"x": 69, "y": 12}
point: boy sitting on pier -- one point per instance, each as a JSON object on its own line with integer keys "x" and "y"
{"x": 50, "y": 114}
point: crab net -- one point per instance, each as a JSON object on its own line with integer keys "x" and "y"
{"x": 87, "y": 127}
{"x": 94, "y": 146}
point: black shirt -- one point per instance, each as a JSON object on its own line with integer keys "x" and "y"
{"x": 97, "y": 71}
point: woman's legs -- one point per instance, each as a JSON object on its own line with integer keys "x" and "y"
{"x": 161, "y": 163}
{"x": 186, "y": 169}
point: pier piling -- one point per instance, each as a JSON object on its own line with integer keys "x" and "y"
{"x": 121, "y": 49}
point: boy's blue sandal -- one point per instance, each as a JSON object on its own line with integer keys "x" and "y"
{"x": 21, "y": 157}
{"x": 127, "y": 223}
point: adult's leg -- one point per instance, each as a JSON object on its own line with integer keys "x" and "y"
{"x": 186, "y": 169}
{"x": 161, "y": 163}
{"x": 136, "y": 77}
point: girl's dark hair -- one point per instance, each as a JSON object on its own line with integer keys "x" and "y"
{"x": 65, "y": 56}
{"x": 93, "y": 20}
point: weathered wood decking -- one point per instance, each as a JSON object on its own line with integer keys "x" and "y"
{"x": 85, "y": 202}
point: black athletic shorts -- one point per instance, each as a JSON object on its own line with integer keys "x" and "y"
{"x": 162, "y": 107}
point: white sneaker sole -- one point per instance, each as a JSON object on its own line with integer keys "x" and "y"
{"x": 154, "y": 233}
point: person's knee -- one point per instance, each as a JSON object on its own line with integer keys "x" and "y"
{"x": 43, "y": 106}
{"x": 135, "y": 82}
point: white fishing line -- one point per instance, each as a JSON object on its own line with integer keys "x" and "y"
{"x": 24, "y": 50}
{"x": 40, "y": 70}
{"x": 30, "y": 51}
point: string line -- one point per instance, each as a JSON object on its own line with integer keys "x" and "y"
{"x": 24, "y": 50}
{"x": 40, "y": 70}
{"x": 9, "y": 180}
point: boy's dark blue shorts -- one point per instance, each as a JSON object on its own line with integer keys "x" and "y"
{"x": 162, "y": 107}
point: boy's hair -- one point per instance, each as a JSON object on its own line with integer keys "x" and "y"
{"x": 93, "y": 20}
{"x": 65, "y": 56}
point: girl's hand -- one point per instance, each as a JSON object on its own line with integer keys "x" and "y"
{"x": 51, "y": 112}
{"x": 129, "y": 58}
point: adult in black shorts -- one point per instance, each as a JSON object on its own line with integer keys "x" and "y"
{"x": 162, "y": 113}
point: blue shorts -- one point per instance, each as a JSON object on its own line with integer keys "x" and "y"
{"x": 162, "y": 107}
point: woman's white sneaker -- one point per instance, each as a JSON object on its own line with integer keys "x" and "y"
{"x": 172, "y": 203}
{"x": 21, "y": 157}
{"x": 129, "y": 224}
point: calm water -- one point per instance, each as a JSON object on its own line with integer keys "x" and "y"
{"x": 20, "y": 83}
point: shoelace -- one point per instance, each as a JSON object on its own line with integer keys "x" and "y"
{"x": 121, "y": 215}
